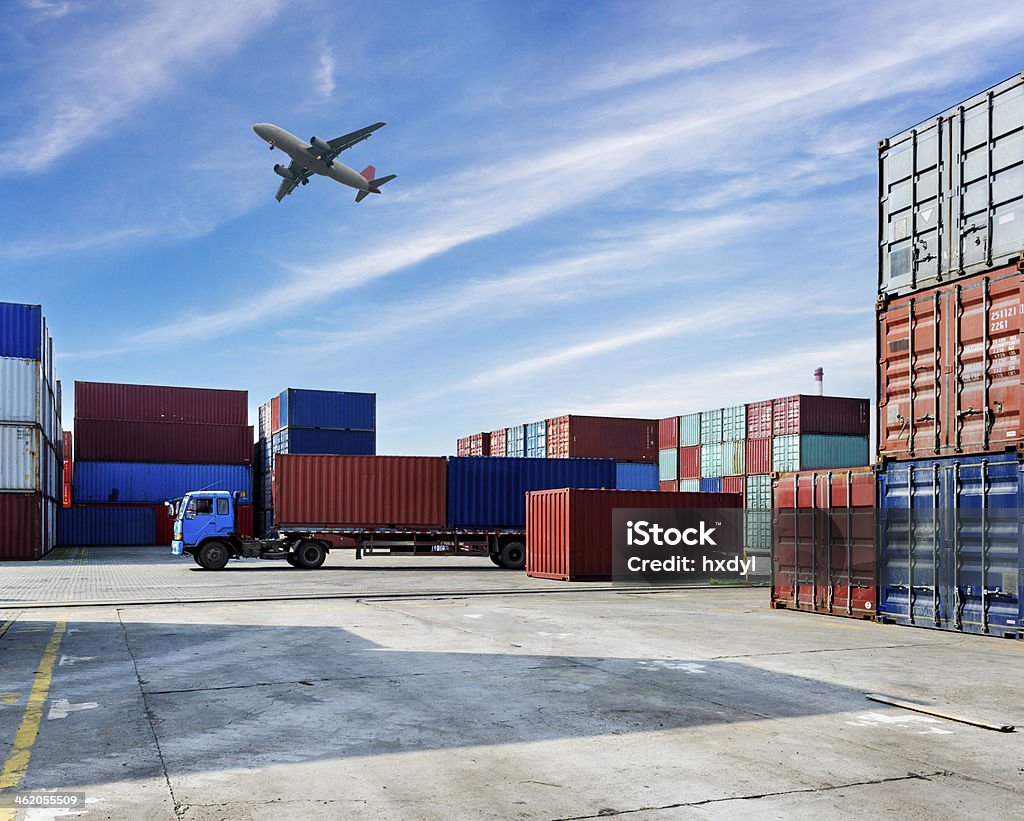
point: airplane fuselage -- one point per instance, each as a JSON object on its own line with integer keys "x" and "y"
{"x": 305, "y": 155}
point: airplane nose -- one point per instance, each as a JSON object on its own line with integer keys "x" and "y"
{"x": 262, "y": 130}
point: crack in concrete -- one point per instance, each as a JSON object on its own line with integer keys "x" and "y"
{"x": 822, "y": 650}
{"x": 755, "y": 796}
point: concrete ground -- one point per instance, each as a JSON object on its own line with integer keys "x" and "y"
{"x": 524, "y": 703}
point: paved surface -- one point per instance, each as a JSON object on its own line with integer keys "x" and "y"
{"x": 676, "y": 704}
{"x": 123, "y": 575}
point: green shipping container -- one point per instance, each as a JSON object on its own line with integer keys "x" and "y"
{"x": 759, "y": 492}
{"x": 689, "y": 485}
{"x": 734, "y": 458}
{"x": 711, "y": 427}
{"x": 689, "y": 430}
{"x": 734, "y": 424}
{"x": 815, "y": 451}
{"x": 668, "y": 464}
{"x": 710, "y": 461}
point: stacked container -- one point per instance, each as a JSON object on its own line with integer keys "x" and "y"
{"x": 537, "y": 440}
{"x": 498, "y": 439}
{"x": 950, "y": 391}
{"x": 313, "y": 422}
{"x": 479, "y": 444}
{"x": 138, "y": 446}
{"x": 573, "y": 437}
{"x": 31, "y": 435}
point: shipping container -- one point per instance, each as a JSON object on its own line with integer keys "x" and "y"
{"x": 498, "y": 438}
{"x": 602, "y": 437}
{"x": 950, "y": 544}
{"x": 759, "y": 492}
{"x": 757, "y": 538}
{"x": 569, "y": 530}
{"x": 734, "y": 458}
{"x": 759, "y": 455}
{"x": 689, "y": 430}
{"x": 24, "y": 534}
{"x": 536, "y": 440}
{"x": 689, "y": 462}
{"x": 668, "y": 433}
{"x": 24, "y": 395}
{"x": 462, "y": 446}
{"x": 668, "y": 486}
{"x": 106, "y": 525}
{"x": 711, "y": 427}
{"x": 325, "y": 441}
{"x": 711, "y": 461}
{"x": 263, "y": 430}
{"x": 734, "y": 484}
{"x": 951, "y": 193}
{"x": 158, "y": 403}
{"x": 823, "y": 553}
{"x": 21, "y": 330}
{"x": 155, "y": 482}
{"x": 299, "y": 408}
{"x": 515, "y": 441}
{"x": 636, "y": 476}
{"x": 490, "y": 493}
{"x": 28, "y": 463}
{"x": 668, "y": 464}
{"x": 815, "y": 451}
{"x": 805, "y": 413}
{"x": 711, "y": 485}
{"x": 759, "y": 419}
{"x": 164, "y": 523}
{"x": 689, "y": 485}
{"x": 949, "y": 374}
{"x": 734, "y": 423}
{"x": 359, "y": 491}
{"x": 477, "y": 444}
{"x": 275, "y": 414}
{"x": 122, "y": 441}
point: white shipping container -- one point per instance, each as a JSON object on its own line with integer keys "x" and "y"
{"x": 20, "y": 452}
{"x": 26, "y": 397}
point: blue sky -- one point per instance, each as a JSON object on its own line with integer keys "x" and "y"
{"x": 609, "y": 208}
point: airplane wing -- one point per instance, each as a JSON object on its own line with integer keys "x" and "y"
{"x": 287, "y": 186}
{"x": 339, "y": 144}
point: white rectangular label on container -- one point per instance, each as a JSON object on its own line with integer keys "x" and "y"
{"x": 1005, "y": 218}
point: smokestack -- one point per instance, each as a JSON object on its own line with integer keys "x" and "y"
{"x": 819, "y": 387}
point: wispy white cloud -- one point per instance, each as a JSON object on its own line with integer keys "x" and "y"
{"x": 324, "y": 74}
{"x": 50, "y": 8}
{"x": 61, "y": 244}
{"x": 99, "y": 78}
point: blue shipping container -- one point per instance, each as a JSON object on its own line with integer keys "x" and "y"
{"x": 635, "y": 476}
{"x": 515, "y": 441}
{"x": 490, "y": 491}
{"x": 950, "y": 544}
{"x": 325, "y": 440}
{"x": 21, "y": 330}
{"x": 78, "y": 526}
{"x": 537, "y": 440}
{"x": 328, "y": 409}
{"x": 710, "y": 485}
{"x": 154, "y": 483}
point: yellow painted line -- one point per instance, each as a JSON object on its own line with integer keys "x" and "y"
{"x": 16, "y": 764}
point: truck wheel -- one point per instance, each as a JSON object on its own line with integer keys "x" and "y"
{"x": 309, "y": 555}
{"x": 195, "y": 558}
{"x": 496, "y": 559}
{"x": 513, "y": 555}
{"x": 213, "y": 556}
{"x": 290, "y": 558}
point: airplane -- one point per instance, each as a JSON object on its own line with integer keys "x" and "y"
{"x": 319, "y": 157}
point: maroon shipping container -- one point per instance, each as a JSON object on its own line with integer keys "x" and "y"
{"x": 805, "y": 413}
{"x": 689, "y": 462}
{"x": 668, "y": 433}
{"x": 759, "y": 455}
{"x": 104, "y": 441}
{"x": 21, "y": 526}
{"x": 478, "y": 444}
{"x": 360, "y": 491}
{"x": 734, "y": 484}
{"x": 823, "y": 556}
{"x": 602, "y": 437}
{"x": 569, "y": 531}
{"x": 759, "y": 419}
{"x": 949, "y": 373}
{"x": 68, "y": 451}
{"x": 498, "y": 439}
{"x": 156, "y": 403}
{"x": 672, "y": 486}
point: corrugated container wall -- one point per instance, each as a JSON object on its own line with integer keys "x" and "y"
{"x": 949, "y": 374}
{"x": 804, "y": 413}
{"x": 515, "y": 441}
{"x": 668, "y": 433}
{"x": 118, "y": 526}
{"x": 25, "y": 533}
{"x": 490, "y": 492}
{"x": 734, "y": 458}
{"x": 498, "y": 438}
{"x": 759, "y": 455}
{"x": 602, "y": 437}
{"x": 950, "y": 555}
{"x": 759, "y": 492}
{"x": 158, "y": 403}
{"x": 536, "y": 440}
{"x": 302, "y": 408}
{"x": 734, "y": 423}
{"x": 711, "y": 426}
{"x": 325, "y": 441}
{"x": 759, "y": 419}
{"x": 710, "y": 485}
{"x": 125, "y": 441}
{"x": 154, "y": 482}
{"x": 359, "y": 491}
{"x": 689, "y": 485}
{"x": 668, "y": 486}
{"x": 711, "y": 460}
{"x": 636, "y": 476}
{"x": 569, "y": 531}
{"x": 689, "y": 430}
{"x": 734, "y": 484}
{"x": 817, "y": 451}
{"x": 668, "y": 464}
{"x": 21, "y": 330}
{"x": 951, "y": 193}
{"x": 689, "y": 462}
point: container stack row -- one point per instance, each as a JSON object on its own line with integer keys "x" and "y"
{"x": 31, "y": 434}
{"x": 299, "y": 421}
{"x": 139, "y": 446}
{"x": 570, "y": 437}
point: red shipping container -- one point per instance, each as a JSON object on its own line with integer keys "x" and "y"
{"x": 949, "y": 374}
{"x": 804, "y": 413}
{"x": 360, "y": 491}
{"x": 759, "y": 455}
{"x": 21, "y": 520}
{"x": 672, "y": 486}
{"x": 67, "y": 494}
{"x": 602, "y": 437}
{"x": 689, "y": 462}
{"x": 67, "y": 471}
{"x": 759, "y": 419}
{"x": 823, "y": 559}
{"x": 498, "y": 439}
{"x": 68, "y": 454}
{"x": 734, "y": 484}
{"x": 275, "y": 414}
{"x": 569, "y": 531}
{"x": 479, "y": 444}
{"x": 156, "y": 403}
{"x": 105, "y": 441}
{"x": 668, "y": 433}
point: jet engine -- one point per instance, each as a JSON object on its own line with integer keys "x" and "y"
{"x": 281, "y": 171}
{"x": 320, "y": 145}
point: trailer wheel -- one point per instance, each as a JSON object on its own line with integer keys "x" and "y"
{"x": 213, "y": 556}
{"x": 513, "y": 555}
{"x": 310, "y": 555}
{"x": 496, "y": 559}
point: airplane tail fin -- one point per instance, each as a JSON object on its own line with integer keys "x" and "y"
{"x": 368, "y": 173}
{"x": 373, "y": 183}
